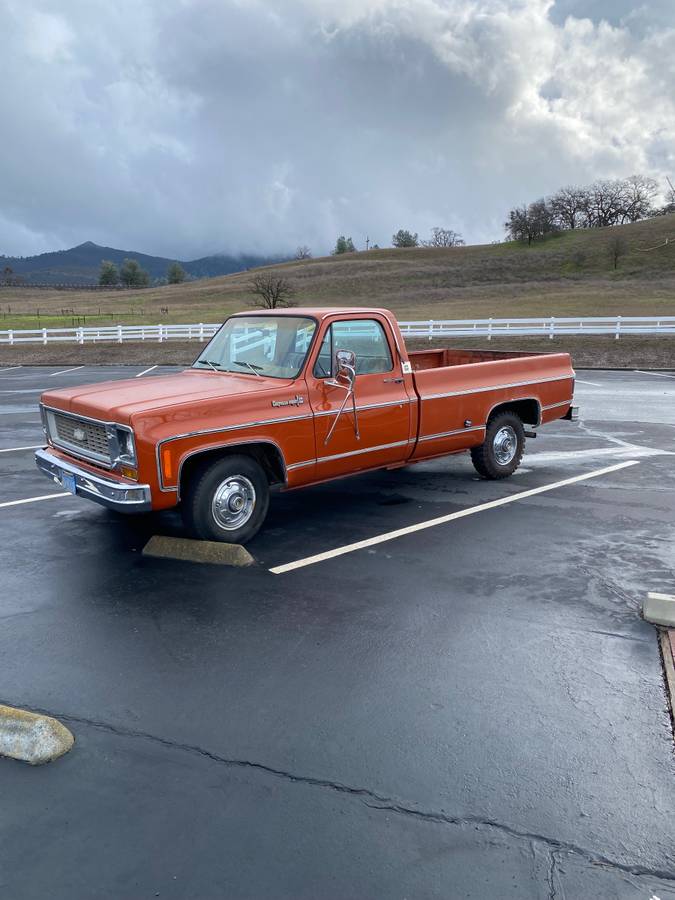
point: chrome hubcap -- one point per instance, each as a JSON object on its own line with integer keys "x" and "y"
{"x": 505, "y": 444}
{"x": 233, "y": 502}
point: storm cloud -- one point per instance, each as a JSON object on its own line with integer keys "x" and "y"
{"x": 185, "y": 128}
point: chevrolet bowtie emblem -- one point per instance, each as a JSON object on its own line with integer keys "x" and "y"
{"x": 294, "y": 401}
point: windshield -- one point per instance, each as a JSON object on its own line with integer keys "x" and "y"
{"x": 274, "y": 346}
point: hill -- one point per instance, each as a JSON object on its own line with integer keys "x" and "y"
{"x": 571, "y": 274}
{"x": 80, "y": 265}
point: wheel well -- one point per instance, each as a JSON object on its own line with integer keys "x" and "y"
{"x": 529, "y": 410}
{"x": 268, "y": 455}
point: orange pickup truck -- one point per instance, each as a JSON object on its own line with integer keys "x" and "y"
{"x": 292, "y": 398}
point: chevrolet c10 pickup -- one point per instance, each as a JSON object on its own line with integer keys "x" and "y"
{"x": 292, "y": 398}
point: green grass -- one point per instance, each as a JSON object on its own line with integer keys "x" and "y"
{"x": 571, "y": 274}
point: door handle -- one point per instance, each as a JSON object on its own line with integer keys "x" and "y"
{"x": 393, "y": 381}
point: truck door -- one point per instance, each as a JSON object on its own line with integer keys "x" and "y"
{"x": 380, "y": 432}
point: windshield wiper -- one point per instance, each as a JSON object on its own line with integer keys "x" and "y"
{"x": 208, "y": 362}
{"x": 255, "y": 369}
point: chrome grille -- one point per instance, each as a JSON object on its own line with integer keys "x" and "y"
{"x": 89, "y": 437}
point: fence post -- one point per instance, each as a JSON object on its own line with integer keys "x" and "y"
{"x": 44, "y": 335}
{"x": 551, "y": 331}
{"x": 618, "y": 328}
{"x": 490, "y": 328}
{"x": 160, "y": 333}
{"x": 80, "y": 336}
{"x": 201, "y": 331}
{"x": 431, "y": 328}
{"x": 119, "y": 334}
{"x": 11, "y": 336}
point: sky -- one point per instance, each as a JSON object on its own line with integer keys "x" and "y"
{"x": 188, "y": 127}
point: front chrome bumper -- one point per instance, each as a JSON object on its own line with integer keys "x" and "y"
{"x": 108, "y": 491}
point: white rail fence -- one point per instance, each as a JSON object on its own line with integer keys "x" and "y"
{"x": 551, "y": 327}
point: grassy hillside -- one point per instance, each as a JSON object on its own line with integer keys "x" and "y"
{"x": 571, "y": 274}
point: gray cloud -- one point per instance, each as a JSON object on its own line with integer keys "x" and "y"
{"x": 255, "y": 125}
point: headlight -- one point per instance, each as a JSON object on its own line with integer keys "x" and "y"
{"x": 125, "y": 446}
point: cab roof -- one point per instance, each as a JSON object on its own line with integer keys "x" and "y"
{"x": 317, "y": 312}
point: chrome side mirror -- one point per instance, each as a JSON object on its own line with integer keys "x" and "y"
{"x": 345, "y": 376}
{"x": 345, "y": 364}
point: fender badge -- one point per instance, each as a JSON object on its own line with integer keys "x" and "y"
{"x": 294, "y": 401}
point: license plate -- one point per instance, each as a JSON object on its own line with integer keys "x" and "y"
{"x": 68, "y": 481}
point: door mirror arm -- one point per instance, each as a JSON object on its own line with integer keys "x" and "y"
{"x": 345, "y": 364}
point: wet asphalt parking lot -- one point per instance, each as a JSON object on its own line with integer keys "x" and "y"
{"x": 475, "y": 709}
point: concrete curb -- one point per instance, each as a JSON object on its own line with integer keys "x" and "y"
{"x": 31, "y": 737}
{"x": 186, "y": 550}
{"x": 659, "y": 609}
{"x": 666, "y": 644}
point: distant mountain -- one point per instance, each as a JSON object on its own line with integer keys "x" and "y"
{"x": 80, "y": 265}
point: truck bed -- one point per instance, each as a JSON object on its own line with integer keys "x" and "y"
{"x": 458, "y": 389}
{"x": 443, "y": 357}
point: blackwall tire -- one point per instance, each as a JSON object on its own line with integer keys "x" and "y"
{"x": 502, "y": 450}
{"x": 226, "y": 500}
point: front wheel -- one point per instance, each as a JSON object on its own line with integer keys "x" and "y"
{"x": 226, "y": 500}
{"x": 502, "y": 450}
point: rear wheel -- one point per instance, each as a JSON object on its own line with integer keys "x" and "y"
{"x": 502, "y": 450}
{"x": 226, "y": 500}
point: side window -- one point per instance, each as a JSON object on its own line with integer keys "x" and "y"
{"x": 323, "y": 367}
{"x": 367, "y": 339}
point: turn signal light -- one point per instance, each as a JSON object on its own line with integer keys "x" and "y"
{"x": 167, "y": 467}
{"x": 128, "y": 473}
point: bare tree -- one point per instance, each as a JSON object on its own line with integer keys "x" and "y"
{"x": 303, "y": 252}
{"x": 271, "y": 291}
{"x": 639, "y": 193}
{"x": 444, "y": 237}
{"x": 605, "y": 203}
{"x": 568, "y": 206}
{"x": 617, "y": 248}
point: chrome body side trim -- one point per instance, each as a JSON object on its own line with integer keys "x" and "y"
{"x": 200, "y": 450}
{"x": 443, "y": 434}
{"x": 113, "y": 493}
{"x": 300, "y": 465}
{"x": 556, "y": 405}
{"x": 517, "y": 400}
{"x": 226, "y": 429}
{"x": 360, "y": 451}
{"x": 402, "y": 402}
{"x": 497, "y": 387}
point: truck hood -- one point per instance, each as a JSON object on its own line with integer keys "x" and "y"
{"x": 119, "y": 401}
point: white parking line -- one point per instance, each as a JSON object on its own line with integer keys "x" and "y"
{"x": 146, "y": 371}
{"x": 34, "y": 499}
{"x": 658, "y": 374}
{"x": 592, "y": 383}
{"x": 15, "y": 449}
{"x": 9, "y": 368}
{"x": 441, "y": 520}
{"x": 65, "y": 371}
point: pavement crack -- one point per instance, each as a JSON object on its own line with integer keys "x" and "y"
{"x": 376, "y": 801}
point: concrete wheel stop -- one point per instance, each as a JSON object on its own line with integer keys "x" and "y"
{"x": 186, "y": 550}
{"x": 31, "y": 737}
{"x": 659, "y": 609}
